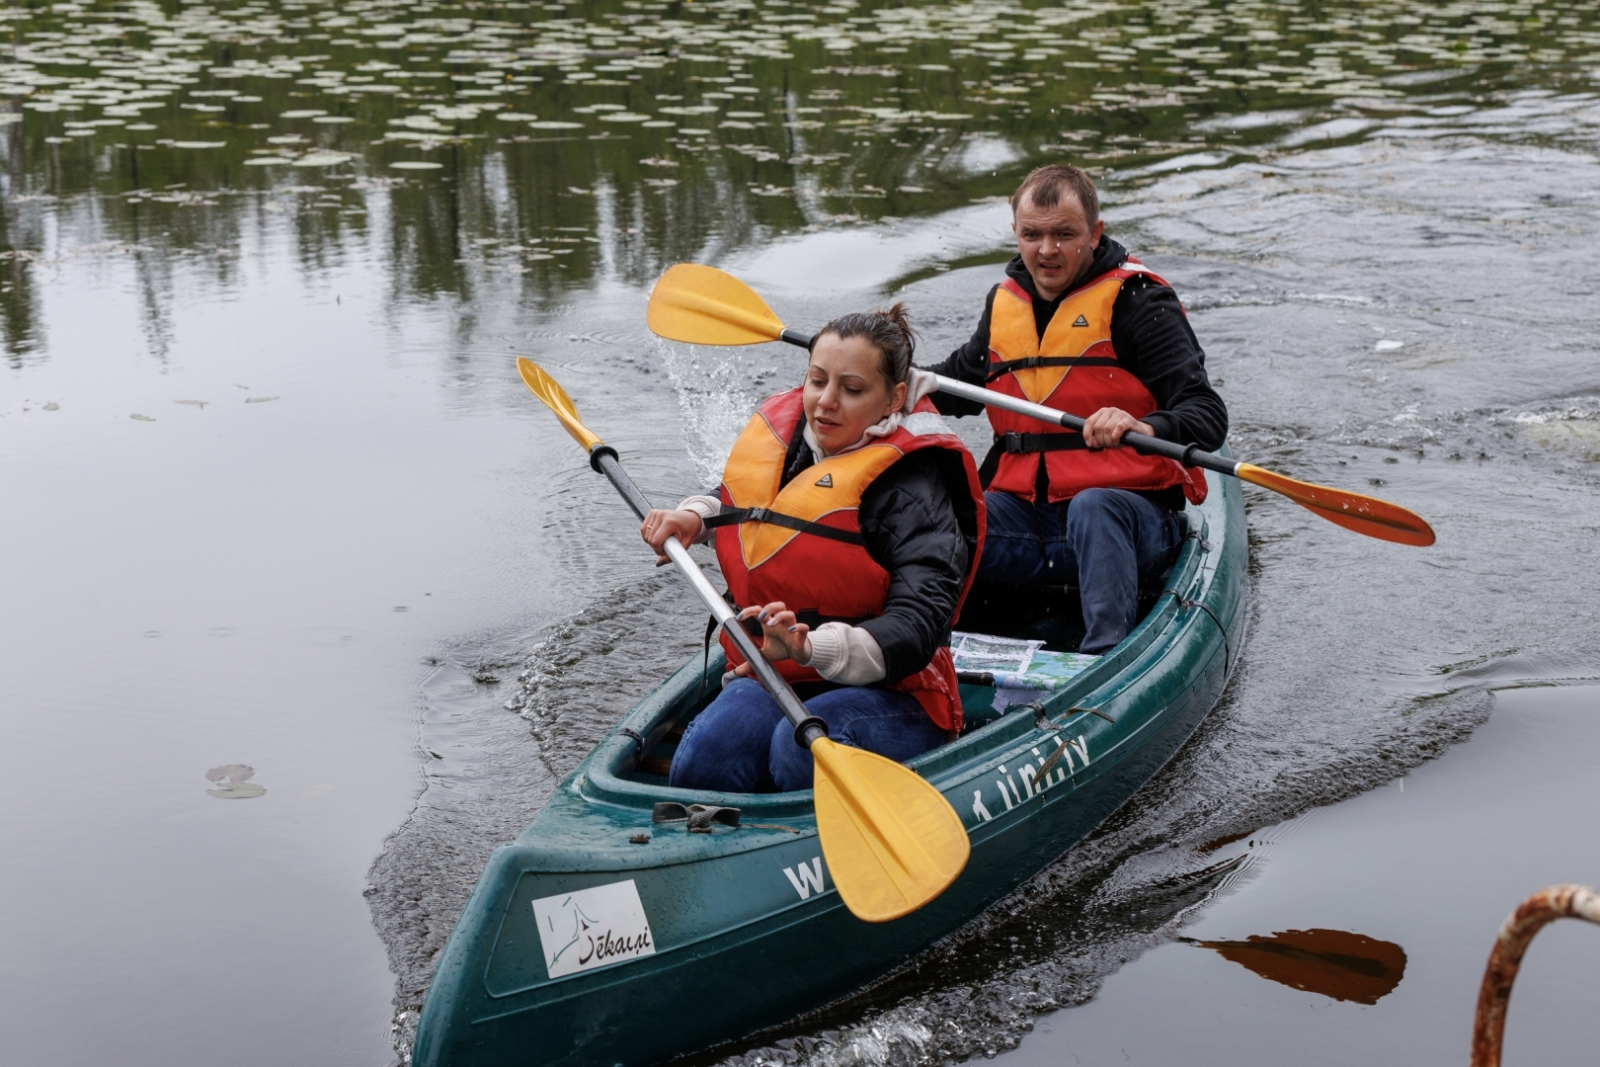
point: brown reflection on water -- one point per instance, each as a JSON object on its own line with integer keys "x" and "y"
{"x": 1334, "y": 963}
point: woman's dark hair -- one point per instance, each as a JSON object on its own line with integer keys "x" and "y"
{"x": 888, "y": 331}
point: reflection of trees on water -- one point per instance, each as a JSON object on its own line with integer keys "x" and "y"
{"x": 508, "y": 214}
{"x": 801, "y": 117}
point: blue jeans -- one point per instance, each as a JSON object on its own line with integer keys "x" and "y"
{"x": 1105, "y": 540}
{"x": 742, "y": 743}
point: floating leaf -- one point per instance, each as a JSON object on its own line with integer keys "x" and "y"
{"x": 259, "y": 399}
{"x": 233, "y": 772}
{"x": 199, "y": 144}
{"x": 142, "y": 418}
{"x": 52, "y": 406}
{"x": 554, "y": 124}
{"x": 331, "y": 120}
{"x": 310, "y": 113}
{"x": 416, "y": 164}
{"x": 243, "y": 791}
{"x": 323, "y": 159}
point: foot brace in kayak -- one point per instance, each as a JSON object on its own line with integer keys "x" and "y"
{"x": 698, "y": 816}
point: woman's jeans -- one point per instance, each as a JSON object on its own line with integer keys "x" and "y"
{"x": 1105, "y": 540}
{"x": 742, "y": 743}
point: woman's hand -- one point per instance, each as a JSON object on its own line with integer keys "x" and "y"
{"x": 783, "y": 636}
{"x": 1104, "y": 429}
{"x": 659, "y": 525}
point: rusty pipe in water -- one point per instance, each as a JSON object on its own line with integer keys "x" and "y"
{"x": 1505, "y": 959}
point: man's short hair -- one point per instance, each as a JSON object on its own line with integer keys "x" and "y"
{"x": 1045, "y": 185}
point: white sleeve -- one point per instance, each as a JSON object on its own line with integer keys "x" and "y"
{"x": 706, "y": 507}
{"x": 846, "y": 654}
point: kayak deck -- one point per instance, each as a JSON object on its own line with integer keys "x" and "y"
{"x": 588, "y": 939}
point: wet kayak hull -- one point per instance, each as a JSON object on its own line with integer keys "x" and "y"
{"x": 581, "y": 947}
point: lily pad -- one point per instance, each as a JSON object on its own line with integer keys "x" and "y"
{"x": 554, "y": 124}
{"x": 416, "y": 164}
{"x": 304, "y": 113}
{"x": 242, "y": 791}
{"x": 199, "y": 144}
{"x": 141, "y": 418}
{"x": 330, "y": 120}
{"x": 233, "y": 772}
{"x": 323, "y": 159}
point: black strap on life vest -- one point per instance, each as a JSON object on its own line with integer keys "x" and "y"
{"x": 1005, "y": 443}
{"x": 734, "y": 516}
{"x": 1000, "y": 370}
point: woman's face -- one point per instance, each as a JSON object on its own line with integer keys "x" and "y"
{"x": 846, "y": 391}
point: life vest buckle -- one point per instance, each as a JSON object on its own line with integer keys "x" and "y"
{"x": 1012, "y": 442}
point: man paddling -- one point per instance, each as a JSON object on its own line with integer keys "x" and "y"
{"x": 1080, "y": 326}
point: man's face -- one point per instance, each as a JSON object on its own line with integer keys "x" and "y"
{"x": 1057, "y": 243}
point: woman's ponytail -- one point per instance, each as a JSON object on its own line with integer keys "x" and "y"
{"x": 889, "y": 332}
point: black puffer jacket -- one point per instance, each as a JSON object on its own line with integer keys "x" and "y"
{"x": 1152, "y": 339}
{"x": 920, "y": 524}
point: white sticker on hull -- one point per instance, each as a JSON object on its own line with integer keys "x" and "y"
{"x": 1056, "y": 766}
{"x": 805, "y": 877}
{"x": 592, "y": 927}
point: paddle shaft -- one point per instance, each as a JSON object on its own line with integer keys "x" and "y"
{"x": 807, "y": 727}
{"x": 1187, "y": 455}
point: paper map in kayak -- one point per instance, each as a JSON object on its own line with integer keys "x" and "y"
{"x": 593, "y": 927}
{"x": 1015, "y": 663}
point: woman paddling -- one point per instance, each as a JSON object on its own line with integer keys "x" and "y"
{"x": 853, "y": 523}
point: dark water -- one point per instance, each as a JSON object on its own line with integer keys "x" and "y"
{"x": 274, "y": 496}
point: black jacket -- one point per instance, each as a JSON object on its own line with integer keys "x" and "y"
{"x": 919, "y": 523}
{"x": 1153, "y": 341}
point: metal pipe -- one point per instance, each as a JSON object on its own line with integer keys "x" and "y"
{"x": 1505, "y": 959}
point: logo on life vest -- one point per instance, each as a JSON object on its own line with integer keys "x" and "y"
{"x": 1081, "y": 321}
{"x": 826, "y": 481}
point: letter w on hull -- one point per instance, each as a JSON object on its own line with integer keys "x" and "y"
{"x": 809, "y": 878}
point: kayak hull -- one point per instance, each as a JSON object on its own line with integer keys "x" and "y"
{"x": 580, "y": 946}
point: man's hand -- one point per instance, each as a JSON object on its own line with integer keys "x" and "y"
{"x": 1104, "y": 429}
{"x": 784, "y": 636}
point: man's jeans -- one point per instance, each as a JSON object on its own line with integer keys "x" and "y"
{"x": 1105, "y": 540}
{"x": 742, "y": 743}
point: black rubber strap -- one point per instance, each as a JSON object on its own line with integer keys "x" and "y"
{"x": 1011, "y": 443}
{"x": 1000, "y": 370}
{"x": 734, "y": 516}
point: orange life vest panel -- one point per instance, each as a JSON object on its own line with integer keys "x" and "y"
{"x": 801, "y": 542}
{"x": 1072, "y": 368}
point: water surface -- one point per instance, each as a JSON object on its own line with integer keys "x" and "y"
{"x": 275, "y": 496}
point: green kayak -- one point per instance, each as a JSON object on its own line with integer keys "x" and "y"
{"x": 615, "y": 931}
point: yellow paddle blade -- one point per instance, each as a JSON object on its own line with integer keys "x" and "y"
{"x": 556, "y": 399}
{"x": 707, "y": 306}
{"x": 1363, "y": 514}
{"x": 891, "y": 840}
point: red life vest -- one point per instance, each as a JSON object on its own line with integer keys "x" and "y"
{"x": 1072, "y": 368}
{"x": 801, "y": 542}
